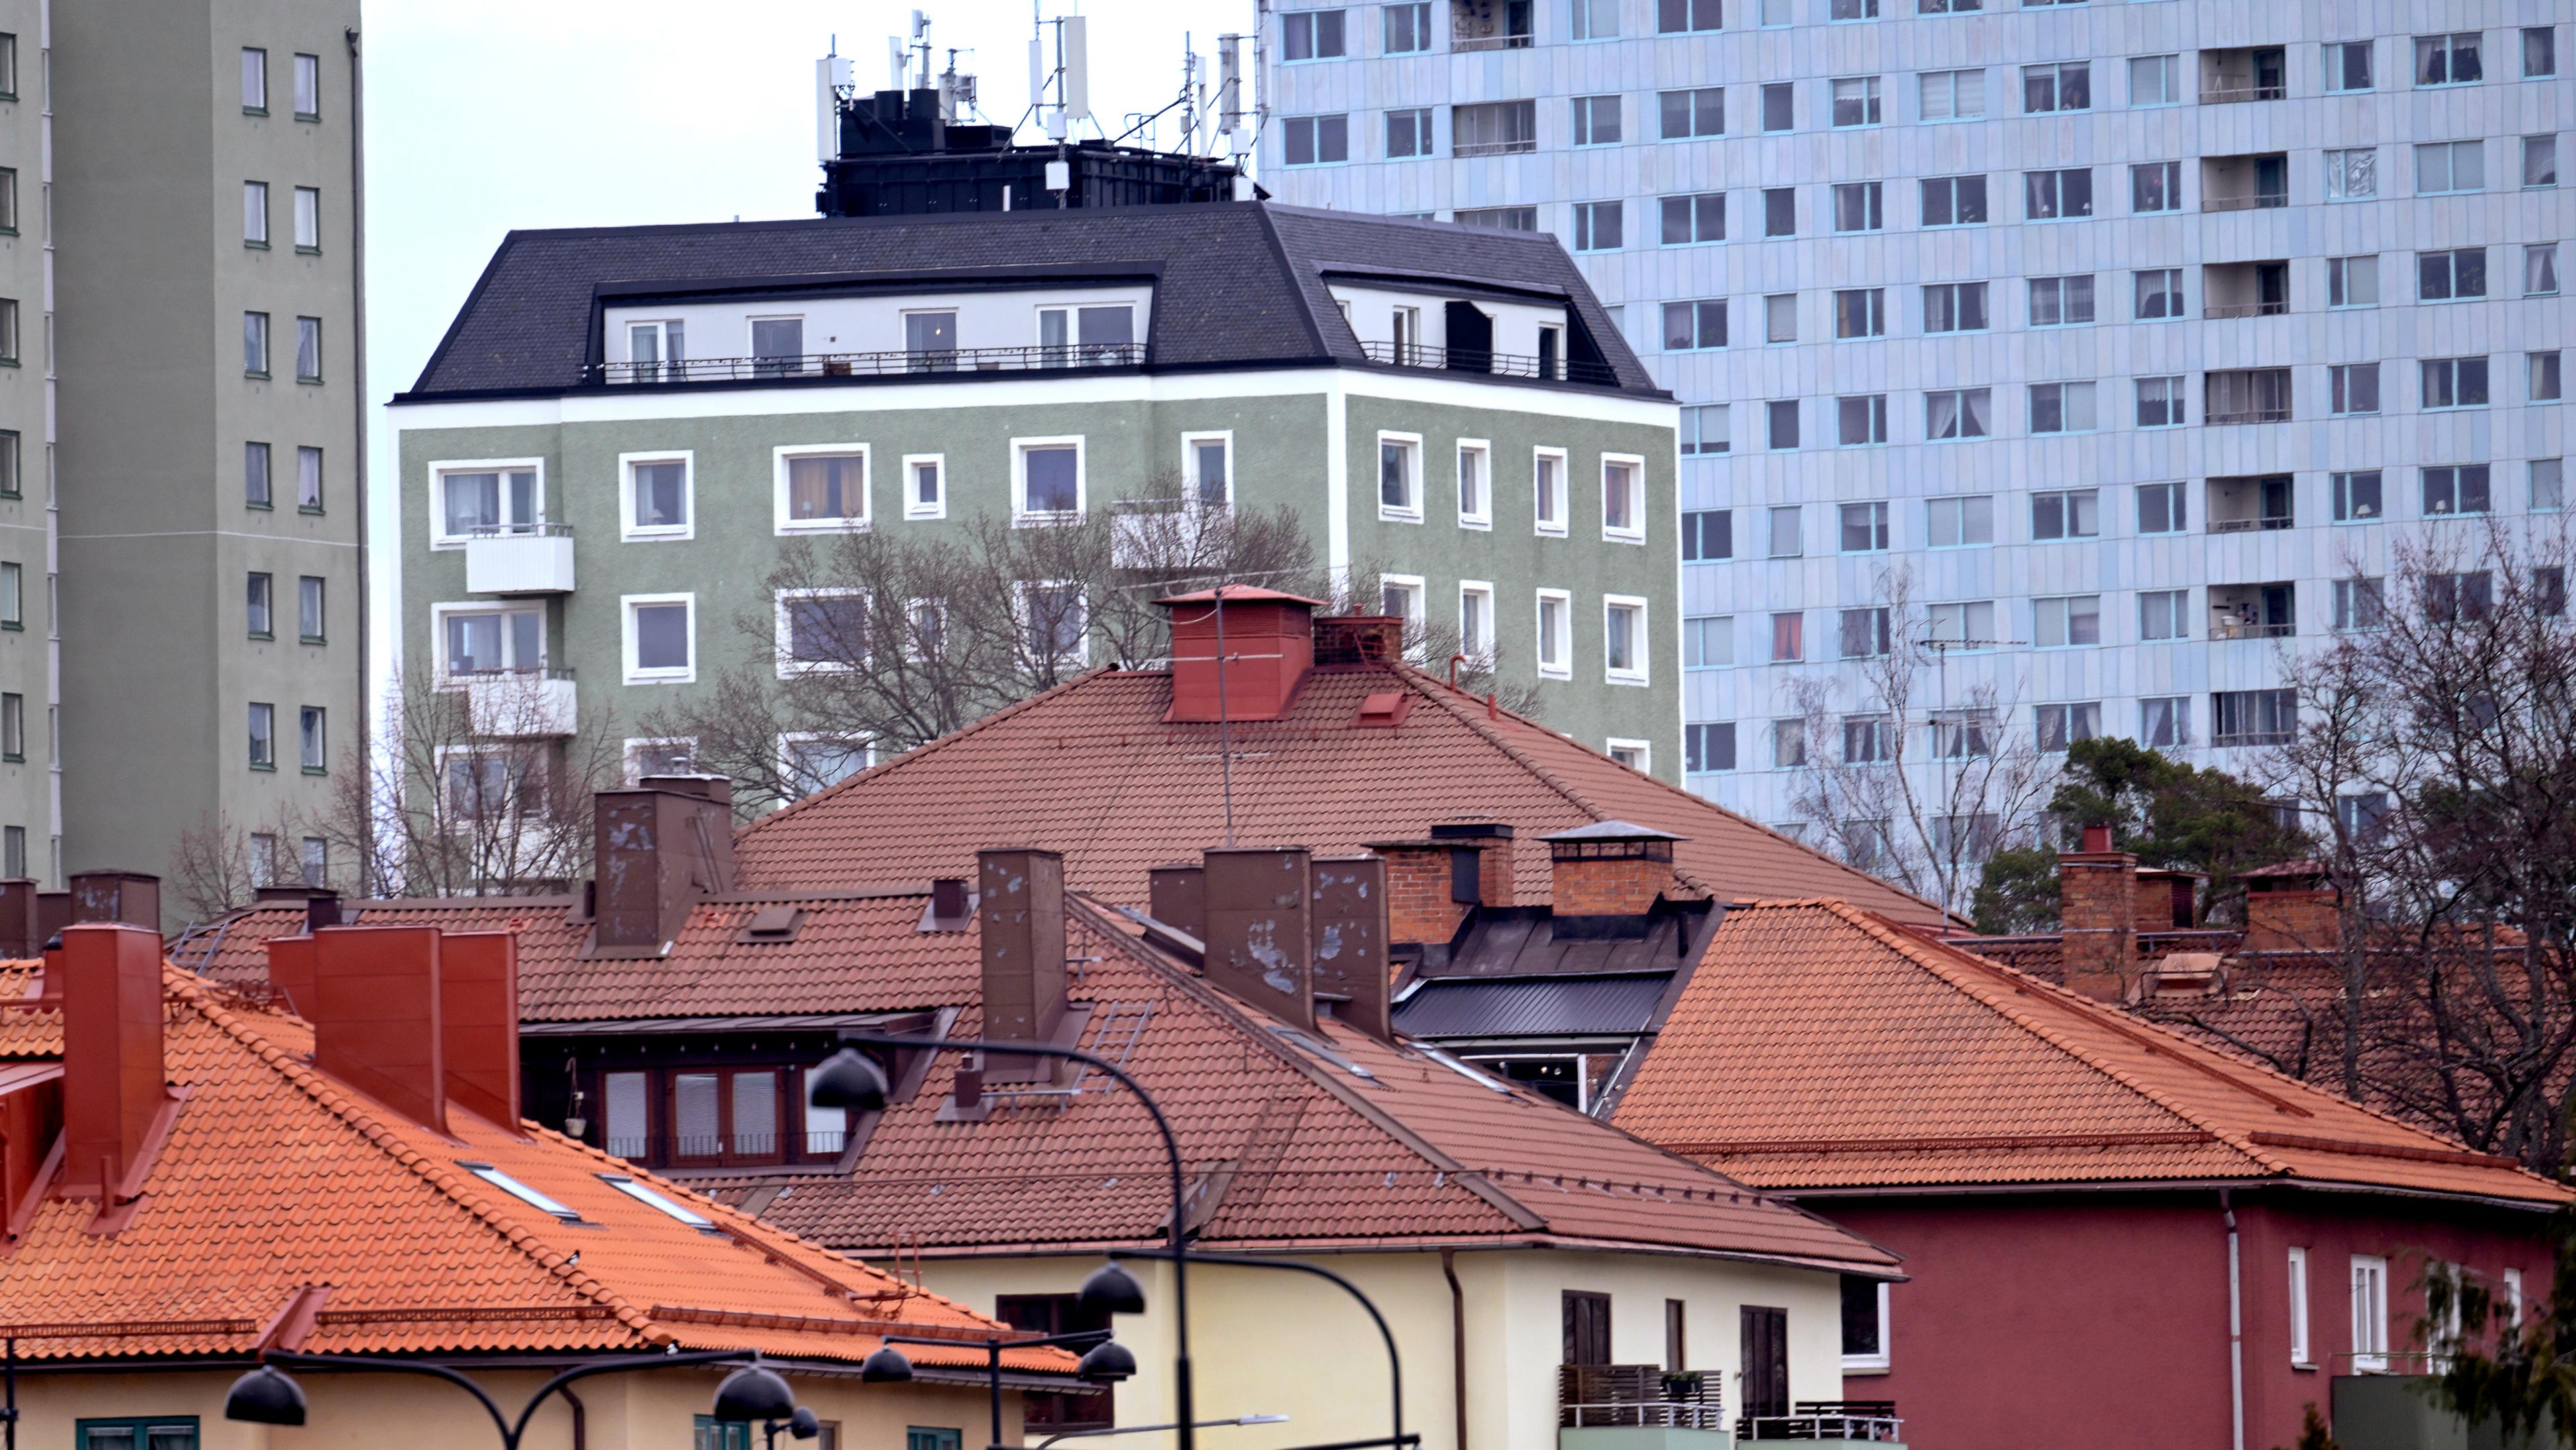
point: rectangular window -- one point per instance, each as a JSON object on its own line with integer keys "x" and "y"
{"x": 2355, "y": 387}
{"x": 1675, "y": 17}
{"x": 660, "y": 636}
{"x": 262, "y": 615}
{"x": 1598, "y": 226}
{"x": 263, "y": 736}
{"x": 1849, "y": 10}
{"x": 1596, "y": 121}
{"x": 1313, "y": 34}
{"x": 1476, "y": 622}
{"x": 1780, "y": 211}
{"x": 308, "y": 87}
{"x": 1547, "y": 489}
{"x": 821, "y": 631}
{"x": 2360, "y": 603}
{"x": 1864, "y": 633}
{"x": 1951, "y": 95}
{"x": 1693, "y": 113}
{"x": 254, "y": 213}
{"x": 1864, "y": 528}
{"x": 308, "y": 219}
{"x": 2370, "y": 1293}
{"x": 2450, "y": 598}
{"x": 657, "y": 497}
{"x": 2455, "y": 382}
{"x": 1788, "y": 743}
{"x": 1623, "y": 498}
{"x": 1782, "y": 415}
{"x": 1623, "y": 639}
{"x": 2356, "y": 496}
{"x": 1407, "y": 27}
{"x": 1954, "y": 307}
{"x": 1855, "y": 101}
{"x": 1693, "y": 325}
{"x": 2352, "y": 281}
{"x": 312, "y": 748}
{"x": 1408, "y": 133}
{"x": 2352, "y": 173}
{"x": 254, "y": 343}
{"x": 13, "y": 596}
{"x": 1780, "y": 106}
{"x": 2298, "y": 1286}
{"x": 2448, "y": 60}
{"x": 1594, "y": 19}
{"x": 2054, "y": 195}
{"x": 1954, "y": 201}
{"x": 2455, "y": 489}
{"x": 1495, "y": 128}
{"x": 308, "y": 608}
{"x": 1708, "y": 535}
{"x": 2548, "y": 484}
{"x": 308, "y": 480}
{"x": 1706, "y": 428}
{"x": 160, "y": 1432}
{"x": 1555, "y": 634}
{"x": 13, "y": 743}
{"x": 2164, "y": 614}
{"x": 2158, "y": 295}
{"x": 1958, "y": 413}
{"x": 1860, "y": 206}
{"x": 2450, "y": 166}
{"x": 2253, "y": 717}
{"x": 1967, "y": 626}
{"x": 2065, "y": 622}
{"x": 1316, "y": 140}
{"x": 822, "y": 489}
{"x": 1860, "y": 421}
{"x": 1708, "y": 641}
{"x": 1861, "y": 312}
{"x": 308, "y": 349}
{"x": 1690, "y": 220}
{"x": 1788, "y": 638}
{"x": 2155, "y": 80}
{"x": 254, "y": 78}
{"x": 1957, "y": 523}
{"x": 1708, "y": 747}
{"x": 1399, "y": 476}
{"x": 2246, "y": 395}
{"x": 2347, "y": 65}
{"x": 2540, "y": 269}
{"x": 1780, "y": 317}
{"x": 2161, "y": 508}
{"x": 2160, "y": 402}
{"x": 2062, "y": 408}
{"x": 2074, "y": 513}
{"x": 2539, "y": 161}
{"x": 2164, "y": 722}
{"x": 2155, "y": 186}
{"x": 1962, "y": 735}
{"x": 2061, "y": 301}
{"x": 1865, "y": 740}
{"x": 2058, "y": 86}
{"x": 2063, "y": 725}
{"x": 2539, "y": 53}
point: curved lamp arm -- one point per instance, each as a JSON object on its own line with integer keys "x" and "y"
{"x": 1394, "y": 1362}
{"x": 510, "y": 1433}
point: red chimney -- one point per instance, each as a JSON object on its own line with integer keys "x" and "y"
{"x": 378, "y": 1018}
{"x": 19, "y": 940}
{"x": 478, "y": 1009}
{"x": 1269, "y": 641}
{"x": 1019, "y": 921}
{"x": 114, "y": 1082}
{"x": 2096, "y": 912}
{"x": 291, "y": 973}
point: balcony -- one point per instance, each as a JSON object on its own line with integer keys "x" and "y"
{"x": 2247, "y": 395}
{"x": 2245, "y": 289}
{"x": 1166, "y": 534}
{"x": 1496, "y": 364}
{"x": 2253, "y": 611}
{"x": 1486, "y": 25}
{"x": 1828, "y": 1422}
{"x": 519, "y": 559}
{"x": 2241, "y": 505}
{"x": 897, "y": 363}
{"x": 2245, "y": 183}
{"x": 2249, "y": 73}
{"x": 519, "y": 704}
{"x": 1637, "y": 1407}
{"x": 1493, "y": 128}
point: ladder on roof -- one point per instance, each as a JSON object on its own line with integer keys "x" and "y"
{"x": 1120, "y": 1026}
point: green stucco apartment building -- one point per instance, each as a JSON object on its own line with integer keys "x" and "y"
{"x": 623, "y": 427}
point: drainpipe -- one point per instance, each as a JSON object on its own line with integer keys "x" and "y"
{"x": 580, "y": 1418}
{"x": 1458, "y": 1348}
{"x": 2235, "y": 1327}
{"x": 358, "y": 385}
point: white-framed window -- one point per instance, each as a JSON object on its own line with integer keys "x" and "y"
{"x": 1623, "y": 639}
{"x": 2454, "y": 382}
{"x": 2161, "y": 403}
{"x": 925, "y": 485}
{"x": 822, "y": 488}
{"x": 1399, "y": 476}
{"x": 2448, "y": 60}
{"x": 2057, "y": 86}
{"x": 1693, "y": 219}
{"x": 1623, "y": 498}
{"x": 1555, "y": 634}
{"x": 1407, "y": 26}
{"x": 2352, "y": 388}
{"x": 1047, "y": 483}
{"x": 2157, "y": 294}
{"x": 2063, "y": 725}
{"x": 1313, "y": 34}
{"x": 1207, "y": 469}
{"x": 472, "y": 639}
{"x": 2360, "y": 603}
{"x": 651, "y": 755}
{"x": 1855, "y": 101}
{"x": 1547, "y": 489}
{"x": 821, "y": 631}
{"x": 1708, "y": 746}
{"x": 470, "y": 496}
{"x": 655, "y": 350}
{"x": 308, "y": 219}
{"x": 659, "y": 633}
{"x": 1637, "y": 755}
{"x": 1593, "y": 19}
{"x": 1865, "y": 1326}
{"x": 254, "y": 213}
{"x": 1706, "y": 428}
{"x": 2298, "y": 1285}
{"x": 1596, "y": 120}
{"x": 2074, "y": 513}
{"x": 2163, "y": 508}
{"x": 656, "y": 490}
{"x": 308, "y": 87}
{"x": 1599, "y": 226}
{"x": 2450, "y": 276}
{"x": 777, "y": 345}
{"x": 2164, "y": 721}
{"x": 1968, "y": 626}
{"x": 1475, "y": 484}
{"x": 1056, "y": 622}
{"x": 2369, "y": 1314}
{"x": 2155, "y": 186}
{"x": 2347, "y": 65}
{"x": 482, "y": 782}
{"x": 2061, "y": 408}
{"x": 2066, "y": 622}
{"x": 2352, "y": 281}
{"x": 1958, "y": 413}
{"x": 809, "y": 761}
{"x": 2450, "y": 166}
{"x": 1476, "y": 620}
{"x": 2065, "y": 301}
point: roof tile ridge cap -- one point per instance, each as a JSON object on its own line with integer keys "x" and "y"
{"x": 1431, "y": 686}
{"x": 1928, "y": 956}
{"x": 1240, "y": 1018}
{"x": 927, "y": 748}
{"x": 318, "y": 1086}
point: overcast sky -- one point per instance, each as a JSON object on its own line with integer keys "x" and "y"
{"x": 485, "y": 115}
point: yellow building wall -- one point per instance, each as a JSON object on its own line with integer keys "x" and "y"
{"x": 1268, "y": 1342}
{"x": 653, "y": 1410}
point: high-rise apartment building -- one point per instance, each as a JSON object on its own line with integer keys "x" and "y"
{"x": 2110, "y": 346}
{"x": 180, "y": 492}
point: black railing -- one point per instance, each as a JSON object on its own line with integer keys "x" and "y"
{"x": 1593, "y": 1396}
{"x": 686, "y": 1150}
{"x": 2241, "y": 526}
{"x": 875, "y": 364}
{"x": 1873, "y": 1420}
{"x": 1481, "y": 360}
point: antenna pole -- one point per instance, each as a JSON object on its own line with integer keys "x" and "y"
{"x": 1224, "y": 739}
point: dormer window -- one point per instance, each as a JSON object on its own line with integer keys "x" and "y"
{"x": 930, "y": 339}
{"x": 654, "y": 350}
{"x": 1104, "y": 335}
{"x": 777, "y": 345}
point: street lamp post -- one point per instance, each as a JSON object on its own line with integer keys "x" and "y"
{"x": 1394, "y": 1362}
{"x": 1095, "y": 1365}
{"x": 269, "y": 1396}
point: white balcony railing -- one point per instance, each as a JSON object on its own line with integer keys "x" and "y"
{"x": 535, "y": 559}
{"x": 519, "y": 704}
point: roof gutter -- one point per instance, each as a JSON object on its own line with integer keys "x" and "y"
{"x": 2153, "y": 1185}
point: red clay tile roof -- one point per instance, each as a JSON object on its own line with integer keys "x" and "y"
{"x": 1091, "y": 769}
{"x": 276, "y": 1178}
{"x": 1819, "y": 1046}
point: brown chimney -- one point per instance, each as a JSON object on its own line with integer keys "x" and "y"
{"x": 478, "y": 1011}
{"x": 114, "y": 1081}
{"x": 657, "y": 849}
{"x": 2096, "y": 908}
{"x": 1359, "y": 639}
{"x": 1269, "y": 641}
{"x": 53, "y": 913}
{"x": 1608, "y": 868}
{"x": 1350, "y": 940}
{"x": 19, "y": 941}
{"x": 2292, "y": 907}
{"x": 378, "y": 1023}
{"x": 292, "y": 973}
{"x": 2165, "y": 900}
{"x": 1176, "y": 896}
{"x": 132, "y": 897}
{"x": 1019, "y": 915}
{"x": 1258, "y": 904}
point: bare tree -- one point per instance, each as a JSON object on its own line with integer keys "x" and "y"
{"x": 1914, "y": 789}
{"x": 219, "y": 864}
{"x": 1437, "y": 644}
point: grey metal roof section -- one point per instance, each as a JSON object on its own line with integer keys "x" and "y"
{"x": 1237, "y": 283}
{"x": 1614, "y": 831}
{"x": 1532, "y": 1006}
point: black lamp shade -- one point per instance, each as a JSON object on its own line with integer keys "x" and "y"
{"x": 849, "y": 1080}
{"x": 1107, "y": 1363}
{"x": 1112, "y": 1290}
{"x": 754, "y": 1393}
{"x": 885, "y": 1367}
{"x": 802, "y": 1425}
{"x": 265, "y": 1396}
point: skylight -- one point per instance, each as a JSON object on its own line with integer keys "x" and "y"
{"x": 521, "y": 1191}
{"x": 644, "y": 1195}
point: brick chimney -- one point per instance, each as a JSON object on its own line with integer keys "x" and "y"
{"x": 1432, "y": 882}
{"x": 378, "y": 1016}
{"x": 115, "y": 1084}
{"x": 1608, "y": 869}
{"x": 1259, "y": 903}
{"x": 1359, "y": 639}
{"x": 2293, "y": 907}
{"x": 19, "y": 940}
{"x": 478, "y": 1014}
{"x": 2165, "y": 900}
{"x": 2096, "y": 912}
{"x": 1349, "y": 946}
{"x": 132, "y": 897}
{"x": 1269, "y": 641}
{"x": 1019, "y": 917}
{"x": 1176, "y": 896}
{"x": 657, "y": 849}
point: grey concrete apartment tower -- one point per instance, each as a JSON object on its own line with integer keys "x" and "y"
{"x": 198, "y": 502}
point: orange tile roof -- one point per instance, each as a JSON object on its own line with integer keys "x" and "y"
{"x": 1822, "y": 1047}
{"x": 1090, "y": 769}
{"x": 277, "y": 1179}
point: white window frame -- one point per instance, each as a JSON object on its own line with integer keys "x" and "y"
{"x": 788, "y": 770}
{"x": 627, "y": 529}
{"x": 2369, "y": 1322}
{"x": 1561, "y": 639}
{"x": 1551, "y": 527}
{"x": 1636, "y": 463}
{"x": 858, "y": 523}
{"x": 1415, "y": 590}
{"x": 1021, "y": 515}
{"x": 1081, "y": 656}
{"x": 1476, "y": 650}
{"x": 1881, "y": 1362}
{"x": 1412, "y": 442}
{"x": 914, "y": 508}
{"x": 1480, "y": 518}
{"x": 636, "y": 674}
{"x": 438, "y": 614}
{"x": 1190, "y": 461}
{"x": 789, "y": 667}
{"x": 439, "y": 468}
{"x": 631, "y": 770}
{"x": 1640, "y": 644}
{"x": 1645, "y": 752}
{"x": 751, "y": 330}
{"x": 2298, "y": 1286}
